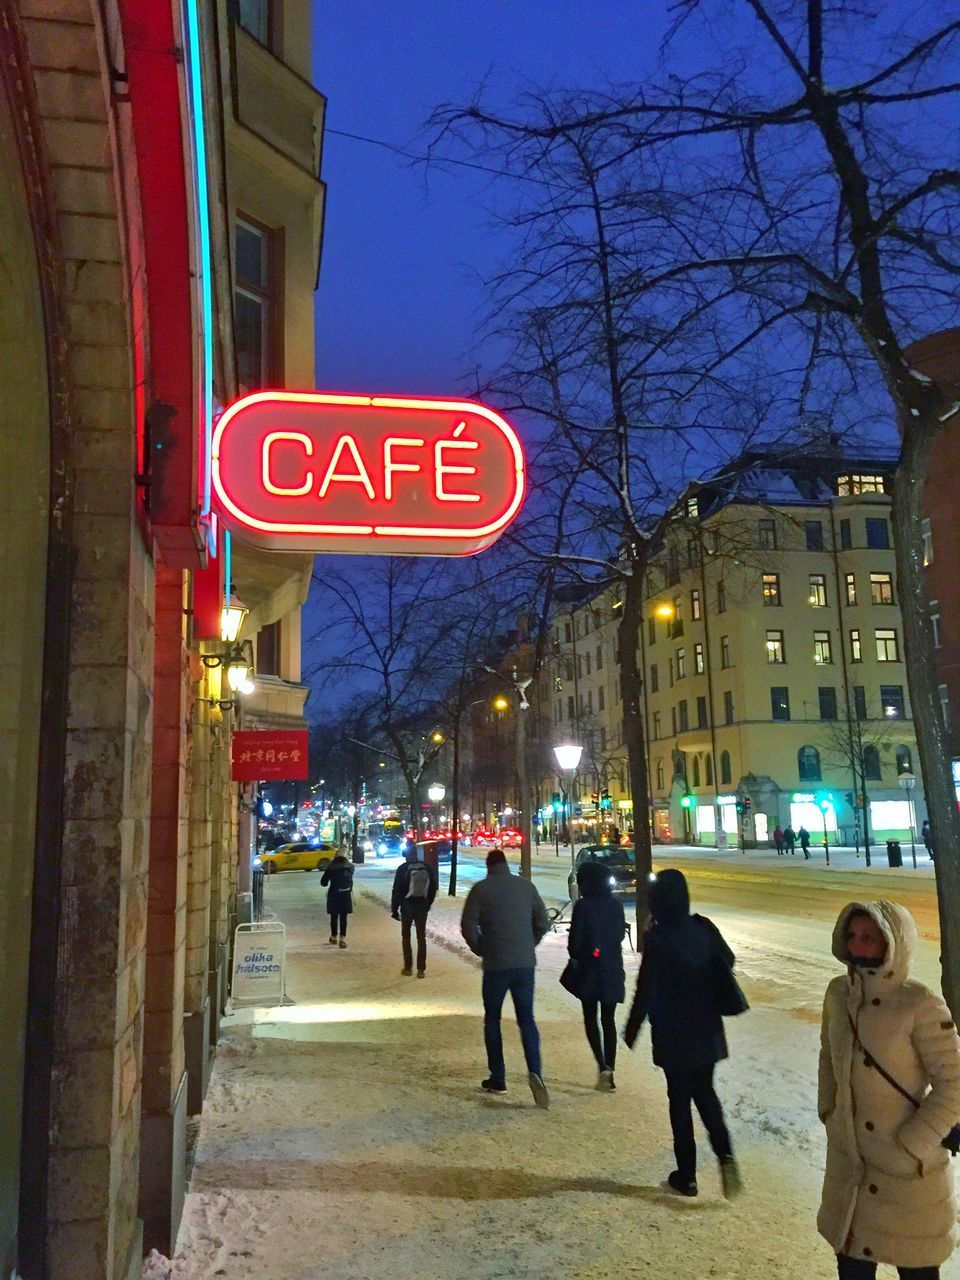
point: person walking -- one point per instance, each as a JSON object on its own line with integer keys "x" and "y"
{"x": 790, "y": 839}
{"x": 926, "y": 835}
{"x": 414, "y": 889}
{"x": 778, "y": 840}
{"x": 503, "y": 921}
{"x": 803, "y": 835}
{"x": 597, "y": 929}
{"x": 677, "y": 991}
{"x": 339, "y": 880}
{"x": 889, "y": 1092}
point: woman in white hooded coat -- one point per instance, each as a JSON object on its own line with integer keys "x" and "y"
{"x": 888, "y": 1187}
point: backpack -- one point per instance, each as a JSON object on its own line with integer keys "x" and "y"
{"x": 419, "y": 883}
{"x": 344, "y": 880}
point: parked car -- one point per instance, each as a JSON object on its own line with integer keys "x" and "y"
{"x": 619, "y": 862}
{"x": 482, "y": 837}
{"x": 510, "y": 838}
{"x": 299, "y": 855}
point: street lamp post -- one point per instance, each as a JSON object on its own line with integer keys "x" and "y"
{"x": 500, "y": 704}
{"x": 825, "y": 805}
{"x": 435, "y": 793}
{"x": 568, "y": 758}
{"x": 908, "y": 781}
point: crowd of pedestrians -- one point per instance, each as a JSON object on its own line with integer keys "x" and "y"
{"x": 889, "y": 1072}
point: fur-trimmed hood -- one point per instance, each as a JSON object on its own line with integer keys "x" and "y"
{"x": 898, "y": 928}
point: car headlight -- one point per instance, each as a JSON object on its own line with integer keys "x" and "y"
{"x": 368, "y": 846}
{"x": 612, "y": 881}
{"x": 381, "y": 848}
{"x": 258, "y": 862}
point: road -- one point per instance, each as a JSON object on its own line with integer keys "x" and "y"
{"x": 777, "y": 913}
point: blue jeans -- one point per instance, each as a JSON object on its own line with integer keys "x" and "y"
{"x": 496, "y": 984}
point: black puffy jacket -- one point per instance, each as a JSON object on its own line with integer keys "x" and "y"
{"x": 597, "y": 928}
{"x": 676, "y": 986}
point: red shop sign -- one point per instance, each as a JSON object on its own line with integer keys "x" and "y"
{"x": 269, "y": 755}
{"x": 378, "y": 475}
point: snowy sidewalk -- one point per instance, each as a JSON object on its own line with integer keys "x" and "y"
{"x": 345, "y": 1136}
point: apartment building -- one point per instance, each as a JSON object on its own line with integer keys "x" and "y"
{"x": 773, "y": 655}
{"x": 772, "y": 658}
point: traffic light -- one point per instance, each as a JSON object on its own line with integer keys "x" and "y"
{"x": 688, "y": 801}
{"x": 595, "y": 797}
{"x": 605, "y": 801}
{"x": 557, "y": 802}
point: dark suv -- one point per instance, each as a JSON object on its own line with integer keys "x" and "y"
{"x": 619, "y": 862}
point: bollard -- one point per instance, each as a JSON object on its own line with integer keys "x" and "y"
{"x": 894, "y": 856}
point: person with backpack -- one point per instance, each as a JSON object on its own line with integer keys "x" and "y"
{"x": 414, "y": 889}
{"x": 597, "y": 928}
{"x": 503, "y": 921}
{"x": 803, "y": 835}
{"x": 338, "y": 878}
{"x": 685, "y": 976}
{"x": 888, "y": 1096}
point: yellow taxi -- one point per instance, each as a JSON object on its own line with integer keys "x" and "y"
{"x": 299, "y": 855}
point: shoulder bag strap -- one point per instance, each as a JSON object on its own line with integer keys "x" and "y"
{"x": 877, "y": 1067}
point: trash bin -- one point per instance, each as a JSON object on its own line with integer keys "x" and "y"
{"x": 894, "y": 856}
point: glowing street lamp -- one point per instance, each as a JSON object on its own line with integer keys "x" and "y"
{"x": 568, "y": 758}
{"x": 231, "y": 619}
{"x": 664, "y": 611}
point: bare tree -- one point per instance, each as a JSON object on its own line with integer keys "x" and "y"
{"x": 808, "y": 222}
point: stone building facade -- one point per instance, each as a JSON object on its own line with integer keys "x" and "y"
{"x": 150, "y": 151}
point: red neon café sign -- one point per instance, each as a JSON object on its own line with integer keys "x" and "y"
{"x": 384, "y": 475}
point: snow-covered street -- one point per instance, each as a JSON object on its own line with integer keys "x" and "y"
{"x": 345, "y": 1134}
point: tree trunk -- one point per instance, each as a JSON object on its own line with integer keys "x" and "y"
{"x": 921, "y": 670}
{"x": 634, "y": 735}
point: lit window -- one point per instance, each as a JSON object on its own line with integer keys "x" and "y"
{"x": 817, "y": 595}
{"x": 851, "y": 485}
{"x": 935, "y": 624}
{"x": 775, "y": 646}
{"x": 851, "y": 582}
{"x": 944, "y": 696}
{"x": 771, "y": 589}
{"x": 695, "y": 605}
{"x": 888, "y": 649}
{"x": 656, "y": 725}
{"x": 698, "y": 659}
{"x": 822, "y": 653}
{"x": 693, "y": 508}
{"x": 891, "y": 699}
{"x": 881, "y": 588}
{"x": 856, "y": 649}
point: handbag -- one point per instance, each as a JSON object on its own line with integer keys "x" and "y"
{"x": 572, "y": 977}
{"x": 727, "y": 992}
{"x": 952, "y": 1140}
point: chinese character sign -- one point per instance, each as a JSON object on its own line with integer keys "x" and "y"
{"x": 269, "y": 755}
{"x": 375, "y": 475}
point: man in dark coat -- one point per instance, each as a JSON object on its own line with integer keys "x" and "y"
{"x": 414, "y": 889}
{"x": 676, "y": 990}
{"x": 803, "y": 835}
{"x": 789, "y": 839}
{"x": 595, "y": 940}
{"x": 503, "y": 921}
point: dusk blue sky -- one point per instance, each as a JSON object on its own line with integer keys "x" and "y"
{"x": 406, "y": 250}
